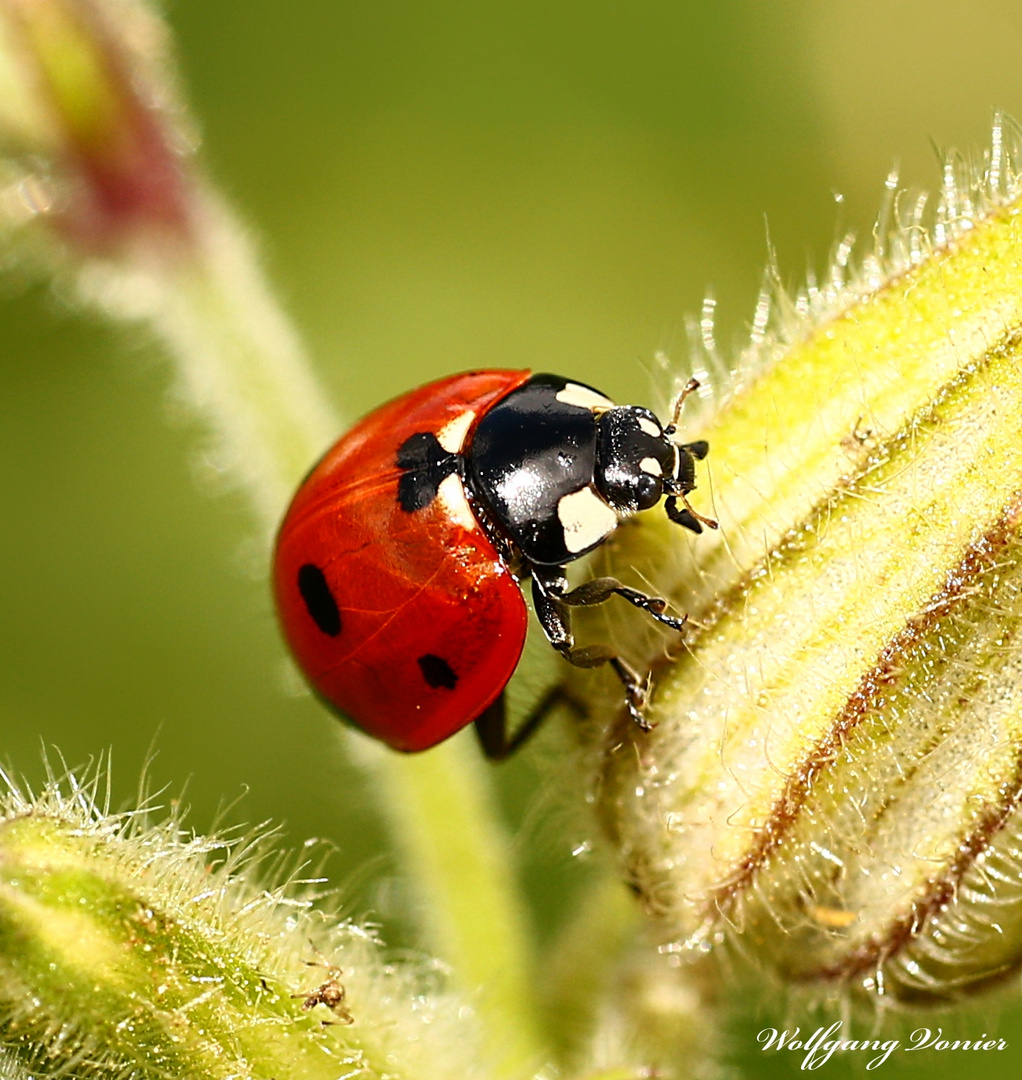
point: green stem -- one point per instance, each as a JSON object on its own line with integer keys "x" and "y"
{"x": 245, "y": 372}
{"x": 443, "y": 817}
{"x": 579, "y": 966}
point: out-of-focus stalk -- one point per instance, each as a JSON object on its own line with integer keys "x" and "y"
{"x": 102, "y": 185}
{"x": 98, "y": 185}
{"x": 85, "y": 119}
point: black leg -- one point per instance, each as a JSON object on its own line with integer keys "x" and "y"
{"x": 679, "y": 486}
{"x": 549, "y": 587}
{"x": 491, "y": 726}
{"x": 600, "y": 589}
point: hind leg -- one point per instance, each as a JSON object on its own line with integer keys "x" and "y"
{"x": 491, "y": 726}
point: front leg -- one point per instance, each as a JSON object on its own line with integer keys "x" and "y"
{"x": 685, "y": 515}
{"x": 681, "y": 515}
{"x": 600, "y": 589}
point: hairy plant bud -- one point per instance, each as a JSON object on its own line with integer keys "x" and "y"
{"x": 833, "y": 781}
{"x": 128, "y": 948}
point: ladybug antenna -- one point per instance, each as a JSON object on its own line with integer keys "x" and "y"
{"x": 689, "y": 388}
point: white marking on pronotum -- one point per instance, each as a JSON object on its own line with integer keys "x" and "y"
{"x": 649, "y": 427}
{"x": 452, "y": 498}
{"x": 585, "y": 518}
{"x": 584, "y": 397}
{"x": 452, "y": 435}
{"x": 652, "y": 466}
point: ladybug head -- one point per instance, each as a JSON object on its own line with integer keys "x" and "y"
{"x": 635, "y": 459}
{"x": 638, "y": 462}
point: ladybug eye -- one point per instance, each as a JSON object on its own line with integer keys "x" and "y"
{"x": 628, "y": 487}
{"x": 646, "y": 490}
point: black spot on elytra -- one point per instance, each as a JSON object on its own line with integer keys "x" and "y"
{"x": 424, "y": 466}
{"x": 319, "y": 600}
{"x": 437, "y": 672}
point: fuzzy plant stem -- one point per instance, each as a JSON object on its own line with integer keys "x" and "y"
{"x": 91, "y": 128}
{"x": 244, "y": 371}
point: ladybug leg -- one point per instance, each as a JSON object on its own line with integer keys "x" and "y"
{"x": 590, "y": 656}
{"x": 600, "y": 589}
{"x": 548, "y": 589}
{"x": 681, "y": 515}
{"x": 491, "y": 726}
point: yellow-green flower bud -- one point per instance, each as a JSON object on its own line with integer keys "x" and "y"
{"x": 128, "y": 949}
{"x": 834, "y": 776}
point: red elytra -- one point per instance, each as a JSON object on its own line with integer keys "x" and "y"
{"x": 405, "y": 599}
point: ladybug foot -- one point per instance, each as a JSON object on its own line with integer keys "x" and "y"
{"x": 639, "y": 718}
{"x": 636, "y": 692}
{"x": 590, "y": 656}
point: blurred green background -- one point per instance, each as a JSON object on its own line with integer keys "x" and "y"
{"x": 436, "y": 186}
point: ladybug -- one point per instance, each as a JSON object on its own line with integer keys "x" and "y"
{"x": 398, "y": 563}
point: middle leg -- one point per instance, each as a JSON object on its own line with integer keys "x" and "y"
{"x": 549, "y": 587}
